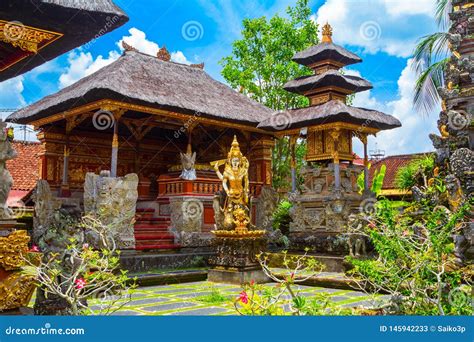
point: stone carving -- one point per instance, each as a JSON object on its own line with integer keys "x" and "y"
{"x": 6, "y": 181}
{"x": 268, "y": 201}
{"x": 356, "y": 236}
{"x": 45, "y": 206}
{"x": 217, "y": 204}
{"x": 462, "y": 161}
{"x": 113, "y": 201}
{"x": 188, "y": 160}
{"x": 186, "y": 215}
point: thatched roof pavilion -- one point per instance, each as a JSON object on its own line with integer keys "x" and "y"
{"x": 141, "y": 79}
{"x": 35, "y": 31}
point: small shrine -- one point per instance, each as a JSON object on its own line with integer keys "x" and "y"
{"x": 329, "y": 193}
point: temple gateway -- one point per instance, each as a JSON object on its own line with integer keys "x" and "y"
{"x": 171, "y": 123}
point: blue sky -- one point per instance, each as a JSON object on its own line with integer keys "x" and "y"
{"x": 382, "y": 32}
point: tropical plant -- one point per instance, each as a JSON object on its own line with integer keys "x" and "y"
{"x": 415, "y": 264}
{"x": 261, "y": 63}
{"x": 281, "y": 217}
{"x": 377, "y": 180}
{"x": 431, "y": 56}
{"x": 82, "y": 273}
{"x": 417, "y": 172}
{"x": 285, "y": 298}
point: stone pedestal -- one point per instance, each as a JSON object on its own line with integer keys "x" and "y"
{"x": 236, "y": 259}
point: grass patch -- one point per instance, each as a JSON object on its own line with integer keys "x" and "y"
{"x": 215, "y": 297}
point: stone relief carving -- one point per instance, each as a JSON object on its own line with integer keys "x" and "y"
{"x": 268, "y": 201}
{"x": 186, "y": 215}
{"x": 113, "y": 201}
{"x": 6, "y": 181}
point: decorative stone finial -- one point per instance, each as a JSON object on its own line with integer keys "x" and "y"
{"x": 163, "y": 54}
{"x": 199, "y": 66}
{"x": 327, "y": 33}
{"x": 128, "y": 47}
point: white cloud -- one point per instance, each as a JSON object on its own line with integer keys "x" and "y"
{"x": 391, "y": 26}
{"x": 138, "y": 40}
{"x": 83, "y": 64}
{"x": 11, "y": 94}
{"x": 412, "y": 137}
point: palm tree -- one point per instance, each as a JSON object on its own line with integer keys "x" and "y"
{"x": 431, "y": 56}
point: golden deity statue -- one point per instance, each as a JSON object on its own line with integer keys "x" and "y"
{"x": 235, "y": 181}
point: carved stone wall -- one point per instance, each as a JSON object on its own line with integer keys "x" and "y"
{"x": 114, "y": 201}
{"x": 320, "y": 213}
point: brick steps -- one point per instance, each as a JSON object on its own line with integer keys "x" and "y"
{"x": 151, "y": 233}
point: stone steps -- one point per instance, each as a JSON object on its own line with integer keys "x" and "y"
{"x": 152, "y": 233}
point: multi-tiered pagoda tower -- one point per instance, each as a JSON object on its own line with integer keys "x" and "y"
{"x": 329, "y": 193}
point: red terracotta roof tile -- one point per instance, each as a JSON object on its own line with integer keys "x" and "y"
{"x": 393, "y": 164}
{"x": 25, "y": 168}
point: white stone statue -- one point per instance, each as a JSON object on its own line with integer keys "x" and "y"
{"x": 187, "y": 161}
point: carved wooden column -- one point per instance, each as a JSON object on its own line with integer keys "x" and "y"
{"x": 71, "y": 123}
{"x": 115, "y": 143}
{"x": 260, "y": 157}
{"x": 337, "y": 172}
{"x": 293, "y": 139}
{"x": 366, "y": 162}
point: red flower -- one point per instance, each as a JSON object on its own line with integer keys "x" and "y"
{"x": 80, "y": 283}
{"x": 35, "y": 249}
{"x": 244, "y": 298}
{"x": 252, "y": 282}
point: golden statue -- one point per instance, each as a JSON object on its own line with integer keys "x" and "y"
{"x": 235, "y": 181}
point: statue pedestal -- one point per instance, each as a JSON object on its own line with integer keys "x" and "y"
{"x": 236, "y": 261}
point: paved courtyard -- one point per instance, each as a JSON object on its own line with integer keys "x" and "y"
{"x": 199, "y": 298}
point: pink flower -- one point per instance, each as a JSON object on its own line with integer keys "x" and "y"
{"x": 80, "y": 283}
{"x": 35, "y": 249}
{"x": 85, "y": 246}
{"x": 244, "y": 298}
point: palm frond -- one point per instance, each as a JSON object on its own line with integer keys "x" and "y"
{"x": 426, "y": 96}
{"x": 443, "y": 7}
{"x": 430, "y": 48}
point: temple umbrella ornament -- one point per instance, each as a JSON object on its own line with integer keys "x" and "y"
{"x": 239, "y": 243}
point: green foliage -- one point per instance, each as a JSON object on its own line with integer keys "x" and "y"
{"x": 261, "y": 64}
{"x": 257, "y": 300}
{"x": 214, "y": 297}
{"x": 415, "y": 261}
{"x": 377, "y": 180}
{"x": 281, "y": 217}
{"x": 415, "y": 173}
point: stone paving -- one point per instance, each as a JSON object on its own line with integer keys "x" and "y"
{"x": 194, "y": 299}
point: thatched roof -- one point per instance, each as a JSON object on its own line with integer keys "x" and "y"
{"x": 328, "y": 78}
{"x": 79, "y": 21}
{"x": 146, "y": 80}
{"x": 325, "y": 51}
{"x": 332, "y": 111}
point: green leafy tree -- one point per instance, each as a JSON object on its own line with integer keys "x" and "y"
{"x": 418, "y": 172}
{"x": 377, "y": 180}
{"x": 260, "y": 64}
